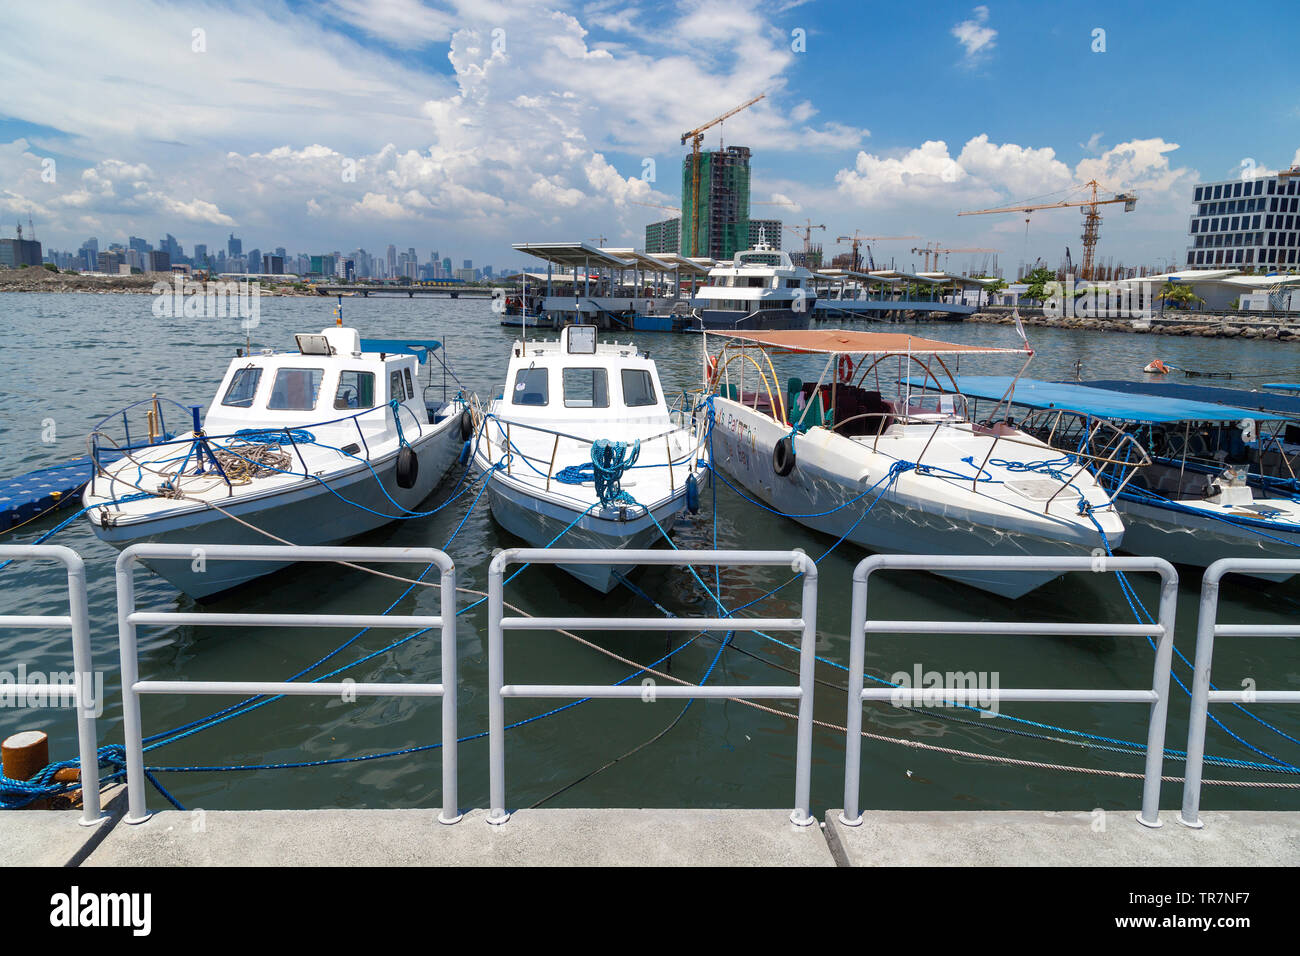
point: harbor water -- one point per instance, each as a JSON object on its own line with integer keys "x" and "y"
{"x": 72, "y": 359}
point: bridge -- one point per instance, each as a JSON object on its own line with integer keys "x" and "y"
{"x": 410, "y": 291}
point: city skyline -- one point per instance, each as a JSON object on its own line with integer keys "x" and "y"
{"x": 483, "y": 124}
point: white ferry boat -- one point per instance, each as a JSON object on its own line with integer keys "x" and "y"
{"x": 761, "y": 288}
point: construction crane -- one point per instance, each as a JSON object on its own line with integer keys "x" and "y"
{"x": 656, "y": 205}
{"x": 1092, "y": 218}
{"x": 696, "y": 137}
{"x": 933, "y": 248}
{"x": 858, "y": 240}
{"x": 806, "y": 232}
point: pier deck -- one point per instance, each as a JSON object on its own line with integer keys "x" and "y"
{"x": 645, "y": 838}
{"x": 25, "y": 496}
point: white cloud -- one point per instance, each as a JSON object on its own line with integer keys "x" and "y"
{"x": 976, "y": 38}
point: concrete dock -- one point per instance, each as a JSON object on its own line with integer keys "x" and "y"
{"x": 644, "y": 837}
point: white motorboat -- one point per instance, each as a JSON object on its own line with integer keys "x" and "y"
{"x": 895, "y": 466}
{"x": 310, "y": 446}
{"x": 585, "y": 451}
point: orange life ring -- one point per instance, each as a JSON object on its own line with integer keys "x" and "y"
{"x": 846, "y": 369}
{"x": 713, "y": 368}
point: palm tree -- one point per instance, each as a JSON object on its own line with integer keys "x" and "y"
{"x": 1181, "y": 296}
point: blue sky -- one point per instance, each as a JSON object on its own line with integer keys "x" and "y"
{"x": 464, "y": 126}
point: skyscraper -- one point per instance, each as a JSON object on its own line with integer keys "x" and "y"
{"x": 234, "y": 247}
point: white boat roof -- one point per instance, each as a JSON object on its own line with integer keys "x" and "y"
{"x": 844, "y": 342}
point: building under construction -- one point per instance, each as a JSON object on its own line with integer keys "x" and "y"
{"x": 15, "y": 253}
{"x": 724, "y": 203}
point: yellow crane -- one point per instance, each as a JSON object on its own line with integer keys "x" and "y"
{"x": 857, "y": 240}
{"x": 1091, "y": 221}
{"x": 696, "y": 137}
{"x": 933, "y": 248}
{"x": 656, "y": 205}
{"x": 806, "y": 232}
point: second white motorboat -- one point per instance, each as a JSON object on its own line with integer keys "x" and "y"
{"x": 893, "y": 463}
{"x": 585, "y": 451}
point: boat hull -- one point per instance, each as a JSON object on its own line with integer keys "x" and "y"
{"x": 901, "y": 517}
{"x": 766, "y": 319}
{"x": 539, "y": 521}
{"x": 304, "y": 514}
{"x": 1183, "y": 537}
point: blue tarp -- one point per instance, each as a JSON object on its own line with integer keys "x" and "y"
{"x": 1239, "y": 398}
{"x": 1285, "y": 386}
{"x": 417, "y": 347}
{"x": 1098, "y": 402}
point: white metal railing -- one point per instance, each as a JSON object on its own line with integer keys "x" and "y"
{"x": 498, "y": 689}
{"x": 78, "y": 621}
{"x": 129, "y": 619}
{"x": 1207, "y": 629}
{"x": 1157, "y": 697}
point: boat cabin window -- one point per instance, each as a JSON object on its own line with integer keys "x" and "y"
{"x": 243, "y": 387}
{"x": 531, "y": 387}
{"x": 586, "y": 388}
{"x": 356, "y": 390}
{"x": 396, "y": 387}
{"x": 410, "y": 386}
{"x": 295, "y": 389}
{"x": 638, "y": 389}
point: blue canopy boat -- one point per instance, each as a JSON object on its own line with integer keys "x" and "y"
{"x": 1195, "y": 501}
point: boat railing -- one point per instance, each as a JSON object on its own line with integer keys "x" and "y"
{"x": 81, "y": 693}
{"x": 130, "y": 620}
{"x": 511, "y": 450}
{"x": 1099, "y": 462}
{"x": 1203, "y": 694}
{"x": 649, "y": 689}
{"x": 99, "y": 441}
{"x": 991, "y": 695}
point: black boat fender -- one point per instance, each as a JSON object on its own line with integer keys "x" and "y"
{"x": 466, "y": 425}
{"x": 783, "y": 456}
{"x": 408, "y": 467}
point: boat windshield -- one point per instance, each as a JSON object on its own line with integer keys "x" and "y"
{"x": 243, "y": 387}
{"x": 586, "y": 388}
{"x": 638, "y": 389}
{"x": 295, "y": 389}
{"x": 531, "y": 387}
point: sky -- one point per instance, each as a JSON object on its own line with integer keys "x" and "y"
{"x": 467, "y": 126}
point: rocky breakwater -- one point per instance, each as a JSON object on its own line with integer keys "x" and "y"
{"x": 1157, "y": 325}
{"x": 39, "y": 279}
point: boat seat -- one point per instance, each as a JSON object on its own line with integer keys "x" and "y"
{"x": 817, "y": 414}
{"x": 853, "y": 402}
